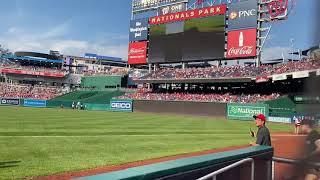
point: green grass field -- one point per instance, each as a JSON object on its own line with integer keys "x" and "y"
{"x": 36, "y": 142}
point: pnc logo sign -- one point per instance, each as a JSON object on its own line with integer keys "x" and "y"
{"x": 233, "y": 15}
{"x": 242, "y": 14}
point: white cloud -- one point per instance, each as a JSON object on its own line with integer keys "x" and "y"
{"x": 18, "y": 40}
{"x": 13, "y": 30}
{"x": 59, "y": 30}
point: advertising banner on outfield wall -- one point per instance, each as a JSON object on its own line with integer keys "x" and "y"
{"x": 138, "y": 30}
{"x": 280, "y": 119}
{"x": 246, "y": 111}
{"x": 137, "y": 53}
{"x": 12, "y": 102}
{"x": 121, "y": 105}
{"x": 243, "y": 15}
{"x": 279, "y": 77}
{"x": 262, "y": 79}
{"x": 301, "y": 74}
{"x": 34, "y": 103}
{"x": 242, "y": 43}
{"x": 305, "y": 116}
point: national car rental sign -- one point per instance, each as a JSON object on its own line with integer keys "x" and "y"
{"x": 242, "y": 43}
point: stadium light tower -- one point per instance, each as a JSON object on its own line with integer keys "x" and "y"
{"x": 270, "y": 11}
{"x": 292, "y": 40}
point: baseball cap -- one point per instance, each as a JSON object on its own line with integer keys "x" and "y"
{"x": 260, "y": 116}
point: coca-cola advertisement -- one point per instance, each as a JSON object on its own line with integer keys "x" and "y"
{"x": 137, "y": 53}
{"x": 242, "y": 43}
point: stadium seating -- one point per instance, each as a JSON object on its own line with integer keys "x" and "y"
{"x": 232, "y": 71}
{"x": 16, "y": 66}
{"x": 223, "y": 98}
{"x": 112, "y": 71}
{"x": 8, "y": 90}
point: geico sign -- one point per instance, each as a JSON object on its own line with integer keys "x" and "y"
{"x": 243, "y": 14}
{"x": 121, "y": 105}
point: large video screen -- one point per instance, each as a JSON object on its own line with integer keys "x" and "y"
{"x": 191, "y": 40}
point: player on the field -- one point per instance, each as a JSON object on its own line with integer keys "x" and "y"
{"x": 297, "y": 124}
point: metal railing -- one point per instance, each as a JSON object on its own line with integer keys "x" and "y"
{"x": 214, "y": 174}
{"x": 295, "y": 162}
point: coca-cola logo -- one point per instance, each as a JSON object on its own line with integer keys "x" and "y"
{"x": 136, "y": 50}
{"x": 245, "y": 50}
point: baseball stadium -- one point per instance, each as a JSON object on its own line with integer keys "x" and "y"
{"x": 185, "y": 105}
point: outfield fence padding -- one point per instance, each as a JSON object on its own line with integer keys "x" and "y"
{"x": 181, "y": 107}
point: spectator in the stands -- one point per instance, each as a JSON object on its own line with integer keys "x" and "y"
{"x": 235, "y": 71}
{"x": 8, "y": 90}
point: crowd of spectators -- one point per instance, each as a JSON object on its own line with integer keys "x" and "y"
{"x": 117, "y": 71}
{"x": 221, "y": 98}
{"x": 235, "y": 71}
{"x": 17, "y": 66}
{"x": 9, "y": 90}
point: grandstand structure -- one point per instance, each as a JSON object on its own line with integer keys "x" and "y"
{"x": 46, "y": 76}
{"x": 159, "y": 39}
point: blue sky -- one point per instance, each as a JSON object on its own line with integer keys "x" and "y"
{"x": 101, "y": 26}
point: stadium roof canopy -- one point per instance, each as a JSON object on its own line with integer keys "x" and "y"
{"x": 104, "y": 58}
{"x": 307, "y": 51}
{"x": 33, "y": 57}
{"x": 30, "y": 58}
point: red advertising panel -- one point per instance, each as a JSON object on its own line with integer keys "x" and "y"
{"x": 185, "y": 15}
{"x": 137, "y": 53}
{"x": 242, "y": 43}
{"x": 33, "y": 73}
{"x": 262, "y": 79}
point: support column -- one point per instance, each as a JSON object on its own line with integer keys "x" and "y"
{"x": 184, "y": 65}
{"x": 150, "y": 68}
{"x": 183, "y": 85}
{"x": 156, "y": 67}
{"x": 259, "y": 47}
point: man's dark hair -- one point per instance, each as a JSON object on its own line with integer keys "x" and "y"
{"x": 310, "y": 123}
